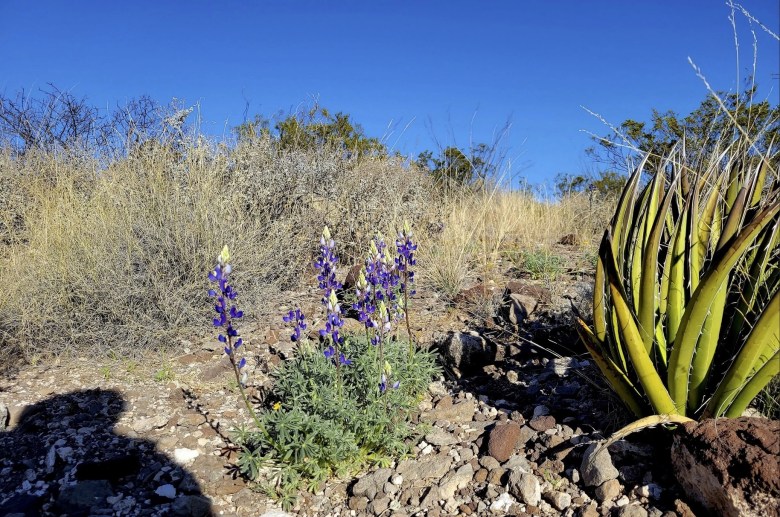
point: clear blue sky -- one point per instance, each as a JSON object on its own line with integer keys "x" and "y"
{"x": 450, "y": 70}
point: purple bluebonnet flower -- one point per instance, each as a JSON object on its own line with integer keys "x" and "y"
{"x": 405, "y": 260}
{"x": 226, "y": 316}
{"x": 326, "y": 263}
{"x": 300, "y": 323}
{"x": 383, "y": 384}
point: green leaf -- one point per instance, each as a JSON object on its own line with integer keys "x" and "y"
{"x": 686, "y": 343}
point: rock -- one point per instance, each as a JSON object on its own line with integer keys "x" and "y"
{"x": 456, "y": 413}
{"x": 631, "y": 510}
{"x": 503, "y": 440}
{"x": 430, "y": 498}
{"x": 559, "y": 500}
{"x": 569, "y": 239}
{"x": 371, "y": 484}
{"x": 454, "y": 481}
{"x": 350, "y": 280}
{"x": 518, "y": 462}
{"x": 466, "y": 352}
{"x": 168, "y": 491}
{"x": 83, "y": 495}
{"x": 22, "y": 504}
{"x": 561, "y": 366}
{"x": 379, "y": 505}
{"x": 526, "y": 434}
{"x": 276, "y": 513}
{"x": 489, "y": 462}
{"x": 589, "y": 511}
{"x": 144, "y": 425}
{"x": 192, "y": 506}
{"x": 730, "y": 466}
{"x": 597, "y": 468}
{"x": 525, "y": 487}
{"x": 496, "y": 476}
{"x": 542, "y": 423}
{"x": 502, "y": 503}
{"x": 608, "y": 491}
{"x": 4, "y": 417}
{"x": 431, "y": 467}
{"x": 439, "y": 437}
{"x": 517, "y": 307}
{"x": 185, "y": 456}
{"x": 357, "y": 503}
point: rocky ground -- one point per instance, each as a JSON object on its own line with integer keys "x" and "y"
{"x": 509, "y": 430}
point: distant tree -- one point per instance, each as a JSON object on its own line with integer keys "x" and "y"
{"x": 453, "y": 167}
{"x": 315, "y": 128}
{"x": 51, "y": 119}
{"x": 605, "y": 183}
{"x": 258, "y": 127}
{"x": 705, "y": 129}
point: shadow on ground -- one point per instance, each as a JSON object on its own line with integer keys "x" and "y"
{"x": 62, "y": 457}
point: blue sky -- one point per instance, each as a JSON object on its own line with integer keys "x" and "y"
{"x": 413, "y": 72}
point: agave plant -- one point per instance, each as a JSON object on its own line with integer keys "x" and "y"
{"x": 686, "y": 312}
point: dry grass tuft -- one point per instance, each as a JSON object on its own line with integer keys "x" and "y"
{"x": 479, "y": 229}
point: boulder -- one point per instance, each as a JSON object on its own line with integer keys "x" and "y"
{"x": 466, "y": 352}
{"x": 730, "y": 466}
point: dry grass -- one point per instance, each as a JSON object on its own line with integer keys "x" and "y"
{"x": 480, "y": 229}
{"x": 113, "y": 259}
{"x": 98, "y": 259}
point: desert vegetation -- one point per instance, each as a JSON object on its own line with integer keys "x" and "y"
{"x": 107, "y": 226}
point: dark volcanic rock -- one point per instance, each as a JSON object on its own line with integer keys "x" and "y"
{"x": 730, "y": 466}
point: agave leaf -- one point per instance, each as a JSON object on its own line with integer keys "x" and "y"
{"x": 649, "y": 298}
{"x": 640, "y": 231}
{"x": 620, "y": 225}
{"x": 757, "y": 277}
{"x": 676, "y": 292}
{"x": 764, "y": 340}
{"x": 734, "y": 221}
{"x": 734, "y": 185}
{"x": 706, "y": 220}
{"x": 648, "y": 377}
{"x": 699, "y": 306}
{"x": 705, "y": 348}
{"x": 615, "y": 376}
{"x": 757, "y": 183}
{"x": 599, "y": 302}
{"x": 758, "y": 382}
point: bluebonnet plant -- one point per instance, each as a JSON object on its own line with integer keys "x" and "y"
{"x": 326, "y": 280}
{"x": 300, "y": 323}
{"x": 404, "y": 263}
{"x": 225, "y": 294}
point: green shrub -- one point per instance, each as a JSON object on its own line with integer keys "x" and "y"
{"x": 326, "y": 420}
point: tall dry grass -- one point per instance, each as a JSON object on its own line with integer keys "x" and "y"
{"x": 480, "y": 228}
{"x": 96, "y": 259}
